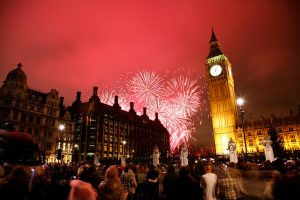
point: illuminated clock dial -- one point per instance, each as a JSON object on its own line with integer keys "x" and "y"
{"x": 215, "y": 70}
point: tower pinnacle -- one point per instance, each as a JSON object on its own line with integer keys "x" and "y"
{"x": 215, "y": 48}
{"x": 213, "y": 37}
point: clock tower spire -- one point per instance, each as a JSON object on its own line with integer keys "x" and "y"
{"x": 215, "y": 48}
{"x": 221, "y": 96}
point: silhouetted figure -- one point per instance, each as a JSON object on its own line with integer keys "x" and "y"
{"x": 269, "y": 190}
{"x": 169, "y": 182}
{"x": 287, "y": 187}
{"x": 15, "y": 185}
{"x": 111, "y": 188}
{"x": 153, "y": 184}
{"x": 129, "y": 182}
{"x": 186, "y": 187}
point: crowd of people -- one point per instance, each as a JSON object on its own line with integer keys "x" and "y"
{"x": 207, "y": 181}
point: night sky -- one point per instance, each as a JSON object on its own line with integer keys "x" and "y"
{"x": 74, "y": 45}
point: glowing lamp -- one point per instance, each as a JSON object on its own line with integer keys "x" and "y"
{"x": 240, "y": 101}
{"x": 61, "y": 127}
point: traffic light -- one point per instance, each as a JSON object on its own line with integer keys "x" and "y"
{"x": 58, "y": 155}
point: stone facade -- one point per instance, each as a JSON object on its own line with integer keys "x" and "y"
{"x": 37, "y": 113}
{"x": 287, "y": 127}
{"x": 105, "y": 132}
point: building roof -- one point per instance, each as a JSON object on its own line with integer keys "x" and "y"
{"x": 99, "y": 108}
{"x": 215, "y": 49}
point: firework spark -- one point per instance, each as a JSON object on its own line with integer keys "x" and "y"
{"x": 176, "y": 109}
{"x": 146, "y": 85}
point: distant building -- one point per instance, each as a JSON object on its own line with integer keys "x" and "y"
{"x": 104, "y": 132}
{"x": 37, "y": 113}
{"x": 287, "y": 127}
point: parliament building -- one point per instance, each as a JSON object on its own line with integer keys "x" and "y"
{"x": 227, "y": 119}
{"x": 86, "y": 131}
{"x": 104, "y": 132}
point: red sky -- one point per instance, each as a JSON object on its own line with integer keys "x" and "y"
{"x": 74, "y": 45}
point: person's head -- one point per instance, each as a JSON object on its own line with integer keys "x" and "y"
{"x": 81, "y": 190}
{"x": 111, "y": 172}
{"x": 151, "y": 167}
{"x": 208, "y": 167}
{"x": 84, "y": 175}
{"x": 18, "y": 175}
{"x": 184, "y": 171}
{"x": 126, "y": 169}
{"x": 171, "y": 169}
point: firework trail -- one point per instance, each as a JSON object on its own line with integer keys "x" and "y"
{"x": 185, "y": 94}
{"x": 176, "y": 99}
{"x": 175, "y": 109}
{"x": 146, "y": 85}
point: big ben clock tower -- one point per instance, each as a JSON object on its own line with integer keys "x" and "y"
{"x": 221, "y": 96}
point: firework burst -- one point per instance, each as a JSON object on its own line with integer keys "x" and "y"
{"x": 184, "y": 93}
{"x": 176, "y": 101}
{"x": 146, "y": 85}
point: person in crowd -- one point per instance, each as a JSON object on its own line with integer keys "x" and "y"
{"x": 186, "y": 186}
{"x": 169, "y": 182}
{"x": 54, "y": 190}
{"x": 129, "y": 182}
{"x": 111, "y": 188}
{"x": 153, "y": 184}
{"x": 15, "y": 185}
{"x": 227, "y": 187}
{"x": 141, "y": 190}
{"x": 268, "y": 193}
{"x": 81, "y": 190}
{"x": 208, "y": 183}
{"x": 287, "y": 187}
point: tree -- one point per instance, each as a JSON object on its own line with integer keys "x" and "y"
{"x": 277, "y": 143}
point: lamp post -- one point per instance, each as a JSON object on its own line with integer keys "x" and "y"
{"x": 240, "y": 102}
{"x": 61, "y": 128}
{"x": 124, "y": 142}
{"x": 75, "y": 153}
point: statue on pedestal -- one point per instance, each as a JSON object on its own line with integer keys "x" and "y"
{"x": 268, "y": 149}
{"x": 184, "y": 155}
{"x": 232, "y": 151}
{"x": 155, "y": 156}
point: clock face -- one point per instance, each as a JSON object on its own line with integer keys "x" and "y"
{"x": 215, "y": 70}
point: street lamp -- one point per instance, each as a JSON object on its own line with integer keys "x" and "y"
{"x": 124, "y": 142}
{"x": 61, "y": 128}
{"x": 240, "y": 102}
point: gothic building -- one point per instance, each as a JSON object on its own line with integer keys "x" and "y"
{"x": 256, "y": 131}
{"x": 37, "y": 113}
{"x": 228, "y": 123}
{"x": 221, "y": 95}
{"x": 104, "y": 132}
